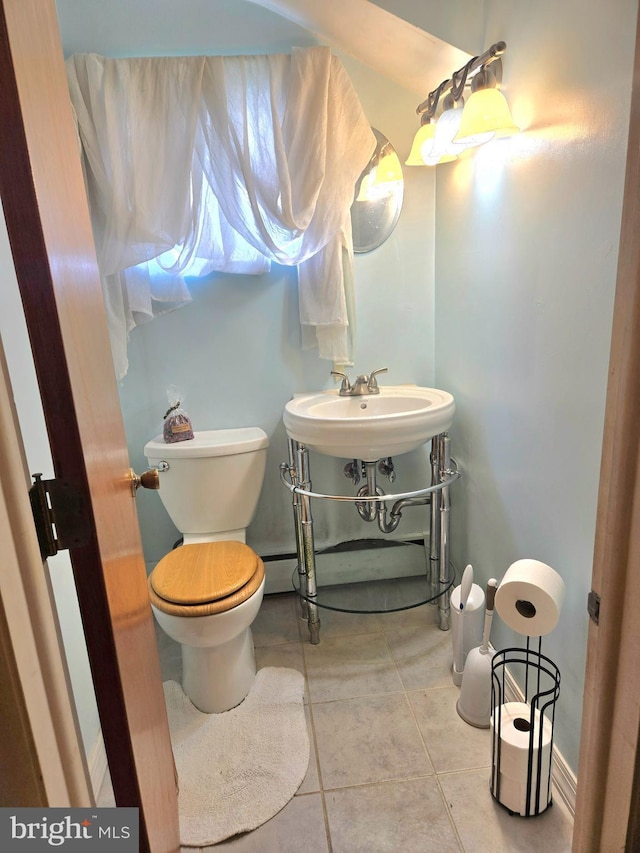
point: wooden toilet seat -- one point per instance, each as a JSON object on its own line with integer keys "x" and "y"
{"x": 205, "y": 578}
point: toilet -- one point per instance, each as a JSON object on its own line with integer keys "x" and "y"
{"x": 206, "y": 593}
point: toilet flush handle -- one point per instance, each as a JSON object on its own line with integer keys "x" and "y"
{"x": 149, "y": 479}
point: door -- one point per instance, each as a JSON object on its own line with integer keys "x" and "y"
{"x": 608, "y": 800}
{"x": 47, "y": 218}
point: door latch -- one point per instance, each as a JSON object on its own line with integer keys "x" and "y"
{"x": 149, "y": 479}
{"x": 59, "y": 515}
{"x": 593, "y": 607}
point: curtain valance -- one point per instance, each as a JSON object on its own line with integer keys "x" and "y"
{"x": 195, "y": 164}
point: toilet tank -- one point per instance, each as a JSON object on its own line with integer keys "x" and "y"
{"x": 213, "y": 481}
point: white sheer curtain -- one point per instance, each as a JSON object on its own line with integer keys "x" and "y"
{"x": 196, "y": 164}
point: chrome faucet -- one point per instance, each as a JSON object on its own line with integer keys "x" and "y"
{"x": 363, "y": 385}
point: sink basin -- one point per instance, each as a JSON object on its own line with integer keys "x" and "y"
{"x": 398, "y": 419}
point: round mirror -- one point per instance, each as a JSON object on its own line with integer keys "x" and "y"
{"x": 378, "y": 198}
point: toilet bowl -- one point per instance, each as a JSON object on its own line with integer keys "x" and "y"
{"x": 206, "y": 593}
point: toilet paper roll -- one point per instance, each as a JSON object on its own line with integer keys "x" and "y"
{"x": 515, "y": 730}
{"x": 513, "y": 769}
{"x": 513, "y": 795}
{"x": 530, "y": 597}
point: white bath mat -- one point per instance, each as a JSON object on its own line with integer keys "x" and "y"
{"x": 236, "y": 770}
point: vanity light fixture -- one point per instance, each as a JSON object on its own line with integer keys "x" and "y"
{"x": 487, "y": 110}
{"x": 423, "y": 139}
{"x": 446, "y": 147}
{"x": 443, "y": 150}
{"x": 460, "y": 126}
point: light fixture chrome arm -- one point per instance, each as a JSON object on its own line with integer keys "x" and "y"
{"x": 457, "y": 82}
{"x": 427, "y": 109}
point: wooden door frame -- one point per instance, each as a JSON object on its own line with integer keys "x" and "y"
{"x": 607, "y": 808}
{"x": 41, "y": 737}
{"x": 46, "y": 210}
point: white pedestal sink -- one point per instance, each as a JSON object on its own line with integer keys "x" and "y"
{"x": 370, "y": 426}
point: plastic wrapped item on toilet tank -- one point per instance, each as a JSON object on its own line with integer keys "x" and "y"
{"x": 177, "y": 423}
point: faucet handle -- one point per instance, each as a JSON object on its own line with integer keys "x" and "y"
{"x": 345, "y": 385}
{"x": 373, "y": 382}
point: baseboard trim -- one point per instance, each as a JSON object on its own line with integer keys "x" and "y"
{"x": 98, "y": 768}
{"x": 563, "y": 778}
{"x": 351, "y": 562}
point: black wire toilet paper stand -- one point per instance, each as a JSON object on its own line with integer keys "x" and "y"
{"x": 541, "y": 678}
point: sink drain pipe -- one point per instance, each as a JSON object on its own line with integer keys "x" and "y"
{"x": 390, "y": 524}
{"x": 371, "y": 510}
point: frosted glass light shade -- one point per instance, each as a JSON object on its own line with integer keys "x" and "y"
{"x": 486, "y": 111}
{"x": 443, "y": 146}
{"x": 422, "y": 145}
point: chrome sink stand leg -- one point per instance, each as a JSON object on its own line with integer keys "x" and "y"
{"x": 297, "y": 522}
{"x": 305, "y": 541}
{"x": 439, "y": 528}
{"x": 434, "y": 525}
{"x": 444, "y": 602}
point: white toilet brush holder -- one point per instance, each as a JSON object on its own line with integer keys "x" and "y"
{"x": 466, "y": 626}
{"x": 474, "y": 704}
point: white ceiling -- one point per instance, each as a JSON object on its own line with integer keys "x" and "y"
{"x": 407, "y": 55}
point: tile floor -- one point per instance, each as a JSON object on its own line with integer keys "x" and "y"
{"x": 392, "y": 766}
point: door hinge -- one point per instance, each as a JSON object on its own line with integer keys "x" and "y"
{"x": 593, "y": 607}
{"x": 58, "y": 512}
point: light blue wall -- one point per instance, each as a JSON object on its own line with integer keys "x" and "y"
{"x": 235, "y": 350}
{"x": 527, "y": 235}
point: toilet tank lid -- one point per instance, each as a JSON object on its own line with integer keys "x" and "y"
{"x": 213, "y": 442}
